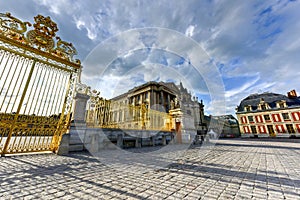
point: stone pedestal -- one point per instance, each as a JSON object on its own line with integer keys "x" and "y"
{"x": 78, "y": 126}
{"x": 93, "y": 144}
{"x": 164, "y": 140}
{"x": 80, "y": 108}
{"x": 138, "y": 142}
{"x": 152, "y": 141}
{"x": 63, "y": 148}
{"x": 120, "y": 141}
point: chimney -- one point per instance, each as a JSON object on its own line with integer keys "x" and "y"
{"x": 292, "y": 94}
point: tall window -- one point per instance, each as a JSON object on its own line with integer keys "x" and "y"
{"x": 270, "y": 129}
{"x": 285, "y": 116}
{"x": 253, "y": 129}
{"x": 250, "y": 118}
{"x": 290, "y": 128}
{"x": 138, "y": 97}
{"x": 267, "y": 117}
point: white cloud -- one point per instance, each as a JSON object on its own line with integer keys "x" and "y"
{"x": 262, "y": 35}
{"x": 242, "y": 88}
{"x": 189, "y": 32}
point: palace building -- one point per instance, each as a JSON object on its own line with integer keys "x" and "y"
{"x": 269, "y": 114}
{"x": 152, "y": 106}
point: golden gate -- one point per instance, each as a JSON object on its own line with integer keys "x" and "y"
{"x": 37, "y": 84}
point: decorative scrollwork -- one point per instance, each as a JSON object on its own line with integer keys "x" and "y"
{"x": 12, "y": 27}
{"x": 42, "y": 37}
{"x": 82, "y": 88}
{"x": 64, "y": 49}
{"x": 43, "y": 33}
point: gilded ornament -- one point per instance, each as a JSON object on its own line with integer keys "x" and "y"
{"x": 42, "y": 37}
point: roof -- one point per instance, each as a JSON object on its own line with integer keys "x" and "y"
{"x": 170, "y": 86}
{"x": 271, "y": 98}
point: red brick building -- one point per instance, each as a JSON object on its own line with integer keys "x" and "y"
{"x": 269, "y": 114}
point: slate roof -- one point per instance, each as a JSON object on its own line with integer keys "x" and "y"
{"x": 270, "y": 98}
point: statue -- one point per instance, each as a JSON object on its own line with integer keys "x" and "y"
{"x": 172, "y": 105}
{"x": 176, "y": 103}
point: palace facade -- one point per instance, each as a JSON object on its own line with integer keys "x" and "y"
{"x": 269, "y": 114}
{"x": 152, "y": 106}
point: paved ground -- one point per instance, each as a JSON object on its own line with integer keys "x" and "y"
{"x": 231, "y": 169}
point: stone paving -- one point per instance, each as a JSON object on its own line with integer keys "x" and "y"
{"x": 229, "y": 169}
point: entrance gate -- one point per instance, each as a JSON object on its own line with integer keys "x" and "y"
{"x": 37, "y": 84}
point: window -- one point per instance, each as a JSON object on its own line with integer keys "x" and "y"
{"x": 250, "y": 118}
{"x": 146, "y": 95}
{"x": 285, "y": 116}
{"x": 263, "y": 107}
{"x": 253, "y": 129}
{"x": 248, "y": 108}
{"x": 270, "y": 129}
{"x": 267, "y": 117}
{"x": 281, "y": 105}
{"x": 290, "y": 128}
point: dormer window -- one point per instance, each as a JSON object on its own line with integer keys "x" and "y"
{"x": 281, "y": 104}
{"x": 248, "y": 108}
{"x": 263, "y": 105}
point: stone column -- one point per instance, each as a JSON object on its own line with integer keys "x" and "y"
{"x": 164, "y": 140}
{"x": 78, "y": 126}
{"x": 79, "y": 114}
{"x": 169, "y": 102}
{"x": 64, "y": 145}
{"x": 137, "y": 142}
{"x": 93, "y": 146}
{"x": 120, "y": 140}
{"x": 162, "y": 98}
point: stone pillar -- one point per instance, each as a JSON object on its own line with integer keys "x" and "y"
{"x": 139, "y": 139}
{"x": 93, "y": 147}
{"x": 78, "y": 126}
{"x": 162, "y": 98}
{"x": 152, "y": 100}
{"x": 152, "y": 141}
{"x": 172, "y": 139}
{"x": 169, "y": 102}
{"x": 79, "y": 114}
{"x": 120, "y": 140}
{"x": 138, "y": 142}
{"x": 164, "y": 140}
{"x": 63, "y": 148}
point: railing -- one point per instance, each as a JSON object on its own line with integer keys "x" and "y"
{"x": 37, "y": 84}
{"x": 108, "y": 114}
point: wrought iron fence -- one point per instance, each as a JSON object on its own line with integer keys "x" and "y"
{"x": 37, "y": 83}
{"x": 104, "y": 113}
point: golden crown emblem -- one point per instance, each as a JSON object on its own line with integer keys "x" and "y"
{"x": 42, "y": 37}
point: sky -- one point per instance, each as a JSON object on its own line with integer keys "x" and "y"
{"x": 222, "y": 50}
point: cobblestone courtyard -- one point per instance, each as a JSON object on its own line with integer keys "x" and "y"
{"x": 229, "y": 169}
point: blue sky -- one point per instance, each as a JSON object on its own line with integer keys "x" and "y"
{"x": 254, "y": 45}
